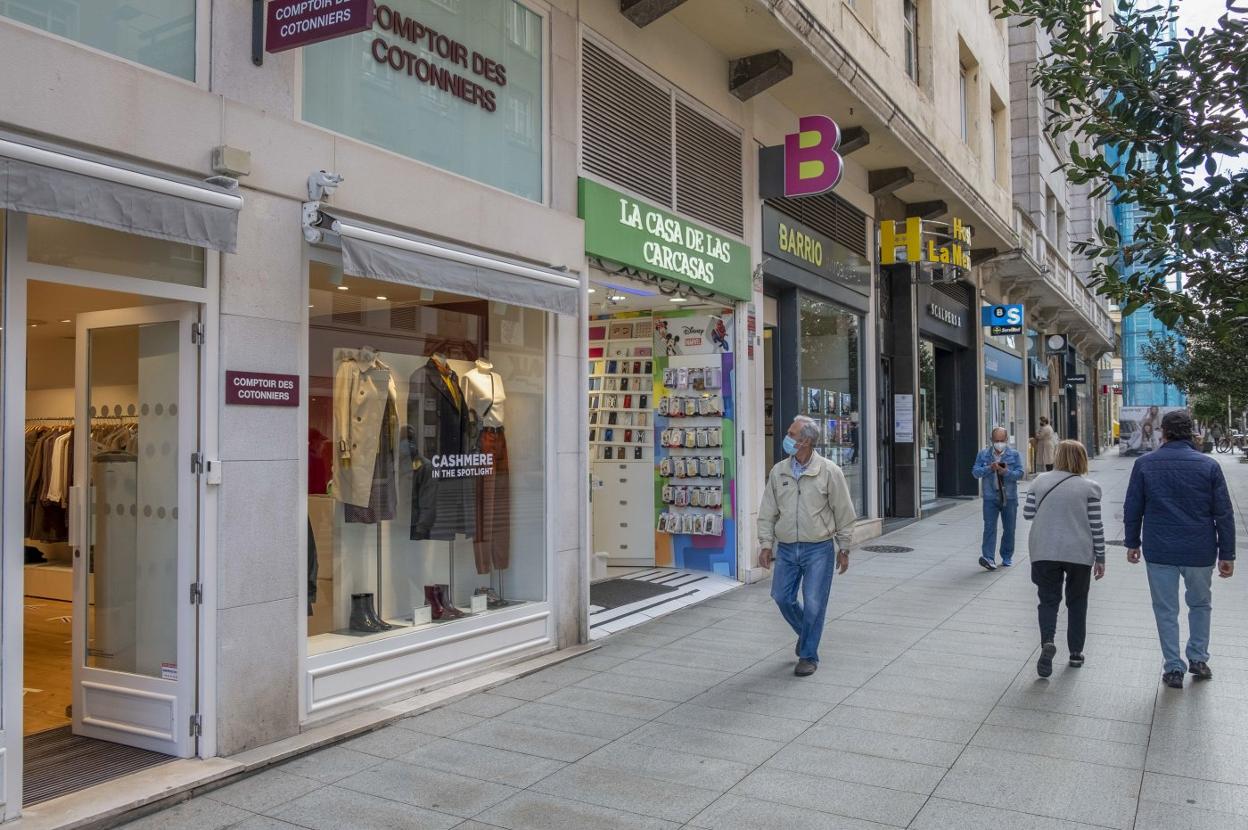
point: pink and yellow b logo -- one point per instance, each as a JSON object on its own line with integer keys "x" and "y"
{"x": 811, "y": 163}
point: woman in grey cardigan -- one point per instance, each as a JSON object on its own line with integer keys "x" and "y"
{"x": 1067, "y": 548}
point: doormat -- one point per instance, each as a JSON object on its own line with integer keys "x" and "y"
{"x": 616, "y": 592}
{"x": 58, "y": 762}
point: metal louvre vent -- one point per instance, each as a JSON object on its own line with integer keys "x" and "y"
{"x": 956, "y": 291}
{"x": 348, "y": 310}
{"x": 708, "y": 171}
{"x": 831, "y": 215}
{"x": 403, "y": 317}
{"x": 627, "y": 125}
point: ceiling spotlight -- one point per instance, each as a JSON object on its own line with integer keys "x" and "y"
{"x": 593, "y": 291}
{"x": 678, "y": 299}
{"x": 67, "y": 321}
{"x": 382, "y": 297}
{"x": 342, "y": 288}
{"x": 617, "y": 298}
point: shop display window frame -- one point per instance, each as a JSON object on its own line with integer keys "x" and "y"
{"x": 372, "y": 655}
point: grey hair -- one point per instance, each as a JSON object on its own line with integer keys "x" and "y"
{"x": 999, "y": 427}
{"x": 807, "y": 429}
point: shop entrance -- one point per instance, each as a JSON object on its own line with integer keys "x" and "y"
{"x": 661, "y": 440}
{"x": 102, "y": 406}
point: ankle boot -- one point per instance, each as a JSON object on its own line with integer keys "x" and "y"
{"x": 373, "y": 617}
{"x": 449, "y": 611}
{"x": 433, "y": 601}
{"x": 359, "y": 615}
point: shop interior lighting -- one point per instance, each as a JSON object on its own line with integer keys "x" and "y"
{"x": 382, "y": 297}
{"x": 342, "y": 288}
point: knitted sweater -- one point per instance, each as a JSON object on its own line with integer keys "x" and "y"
{"x": 1067, "y": 526}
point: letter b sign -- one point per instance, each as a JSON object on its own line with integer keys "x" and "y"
{"x": 811, "y": 163}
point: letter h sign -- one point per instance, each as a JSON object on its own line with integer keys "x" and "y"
{"x": 812, "y": 164}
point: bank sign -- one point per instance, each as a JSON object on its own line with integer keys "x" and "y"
{"x": 1003, "y": 319}
{"x": 631, "y": 232}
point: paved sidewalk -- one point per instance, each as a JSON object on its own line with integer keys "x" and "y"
{"x": 926, "y": 713}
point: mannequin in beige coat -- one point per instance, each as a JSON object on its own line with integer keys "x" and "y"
{"x": 1044, "y": 443}
{"x": 363, "y": 388}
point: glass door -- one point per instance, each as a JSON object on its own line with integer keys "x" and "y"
{"x": 133, "y": 527}
{"x": 929, "y": 438}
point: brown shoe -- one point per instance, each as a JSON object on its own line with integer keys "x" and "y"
{"x": 805, "y": 668}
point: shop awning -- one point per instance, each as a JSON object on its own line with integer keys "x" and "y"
{"x": 49, "y": 181}
{"x": 378, "y": 253}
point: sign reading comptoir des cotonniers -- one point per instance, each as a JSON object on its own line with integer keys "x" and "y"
{"x": 294, "y": 23}
{"x": 261, "y": 389}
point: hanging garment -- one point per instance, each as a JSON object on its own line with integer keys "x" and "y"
{"x": 313, "y": 567}
{"x": 492, "y": 545}
{"x": 437, "y": 414}
{"x": 382, "y": 495}
{"x": 363, "y": 387}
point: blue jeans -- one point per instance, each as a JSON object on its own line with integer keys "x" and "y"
{"x": 1163, "y": 582}
{"x": 1008, "y": 511}
{"x": 810, "y": 564}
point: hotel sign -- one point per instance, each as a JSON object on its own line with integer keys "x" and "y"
{"x": 916, "y": 240}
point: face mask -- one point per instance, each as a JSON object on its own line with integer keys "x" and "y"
{"x": 790, "y": 446}
{"x": 999, "y": 446}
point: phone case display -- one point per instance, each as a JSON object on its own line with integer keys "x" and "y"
{"x": 621, "y": 397}
{"x": 695, "y": 449}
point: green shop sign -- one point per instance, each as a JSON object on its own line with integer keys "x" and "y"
{"x": 635, "y": 233}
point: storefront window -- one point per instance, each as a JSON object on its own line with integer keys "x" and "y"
{"x": 831, "y": 358}
{"x": 458, "y": 86}
{"x": 426, "y": 458}
{"x": 155, "y": 33}
{"x": 67, "y": 244}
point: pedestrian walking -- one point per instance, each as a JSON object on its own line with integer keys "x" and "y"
{"x": 1179, "y": 496}
{"x": 1000, "y": 467}
{"x": 1067, "y": 549}
{"x": 1044, "y": 445}
{"x": 806, "y": 506}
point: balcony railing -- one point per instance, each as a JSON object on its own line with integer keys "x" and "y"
{"x": 1060, "y": 276}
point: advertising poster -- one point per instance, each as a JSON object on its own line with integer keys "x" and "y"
{"x": 1139, "y": 428}
{"x": 692, "y": 333}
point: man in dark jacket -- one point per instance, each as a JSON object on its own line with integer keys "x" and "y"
{"x": 1180, "y": 497}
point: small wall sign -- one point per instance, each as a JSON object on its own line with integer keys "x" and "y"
{"x": 290, "y": 24}
{"x": 261, "y": 389}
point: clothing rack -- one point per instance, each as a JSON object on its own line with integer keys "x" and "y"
{"x": 93, "y": 418}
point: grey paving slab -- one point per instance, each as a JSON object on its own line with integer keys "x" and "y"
{"x": 941, "y": 814}
{"x": 847, "y": 799}
{"x": 531, "y": 740}
{"x": 649, "y": 670}
{"x": 882, "y": 744}
{"x": 257, "y": 793}
{"x": 332, "y": 808}
{"x": 198, "y": 814}
{"x": 264, "y": 823}
{"x": 440, "y": 722}
{"x": 1095, "y": 701}
{"x": 1065, "y": 747}
{"x": 1078, "y": 726}
{"x": 628, "y": 792}
{"x": 331, "y": 764}
{"x": 841, "y": 765}
{"x": 597, "y": 700}
{"x": 1154, "y": 816}
{"x": 738, "y": 723}
{"x": 1211, "y": 756}
{"x": 443, "y": 792}
{"x": 1204, "y": 795}
{"x": 698, "y": 658}
{"x": 763, "y": 702}
{"x": 652, "y": 683}
{"x": 789, "y": 686}
{"x": 537, "y": 811}
{"x": 977, "y": 687}
{"x": 672, "y": 765}
{"x": 1090, "y": 793}
{"x": 484, "y": 705}
{"x": 915, "y": 704}
{"x": 489, "y": 763}
{"x": 734, "y": 812}
{"x": 705, "y": 742}
{"x": 388, "y": 742}
{"x": 578, "y": 721}
{"x": 915, "y": 725}
{"x": 542, "y": 683}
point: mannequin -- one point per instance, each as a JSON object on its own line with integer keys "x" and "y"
{"x": 486, "y": 398}
{"x": 439, "y": 418}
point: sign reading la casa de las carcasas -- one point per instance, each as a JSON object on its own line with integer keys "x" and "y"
{"x": 626, "y": 230}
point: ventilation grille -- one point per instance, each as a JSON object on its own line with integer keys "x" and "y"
{"x": 348, "y": 310}
{"x": 708, "y": 171}
{"x": 403, "y": 317}
{"x": 627, "y": 124}
{"x": 832, "y": 216}
{"x": 956, "y": 291}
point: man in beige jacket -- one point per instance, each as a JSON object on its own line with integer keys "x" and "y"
{"x": 806, "y": 504}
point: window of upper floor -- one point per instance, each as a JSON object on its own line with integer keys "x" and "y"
{"x": 968, "y": 97}
{"x": 156, "y": 33}
{"x": 910, "y": 29}
{"x": 1000, "y": 139}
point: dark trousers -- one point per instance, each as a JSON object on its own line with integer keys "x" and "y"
{"x": 492, "y": 546}
{"x": 1049, "y": 578}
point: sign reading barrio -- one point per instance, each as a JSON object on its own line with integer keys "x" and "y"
{"x": 290, "y": 24}
{"x": 261, "y": 389}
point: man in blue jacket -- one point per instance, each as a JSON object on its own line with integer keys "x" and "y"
{"x": 1180, "y": 496}
{"x": 1000, "y": 467}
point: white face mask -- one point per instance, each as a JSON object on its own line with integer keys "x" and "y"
{"x": 999, "y": 446}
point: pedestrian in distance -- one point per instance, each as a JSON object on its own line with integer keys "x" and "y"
{"x": 806, "y": 520}
{"x": 1044, "y": 445}
{"x": 1000, "y": 467}
{"x": 1067, "y": 549}
{"x": 1179, "y": 497}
